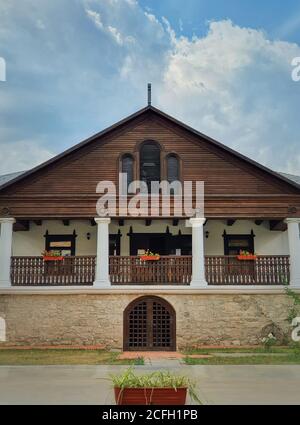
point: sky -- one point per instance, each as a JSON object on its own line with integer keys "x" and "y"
{"x": 74, "y": 67}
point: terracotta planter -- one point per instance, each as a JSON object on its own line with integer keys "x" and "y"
{"x": 150, "y": 257}
{"x": 247, "y": 257}
{"x": 151, "y": 396}
{"x": 46, "y": 258}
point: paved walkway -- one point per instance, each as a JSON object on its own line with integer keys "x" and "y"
{"x": 91, "y": 385}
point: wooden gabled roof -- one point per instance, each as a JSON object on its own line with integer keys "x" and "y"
{"x": 140, "y": 113}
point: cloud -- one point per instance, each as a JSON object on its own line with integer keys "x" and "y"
{"x": 95, "y": 17}
{"x": 112, "y": 31}
{"x": 71, "y": 75}
{"x": 24, "y": 155}
{"x": 235, "y": 85}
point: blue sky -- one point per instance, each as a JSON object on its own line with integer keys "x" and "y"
{"x": 77, "y": 66}
{"x": 280, "y": 19}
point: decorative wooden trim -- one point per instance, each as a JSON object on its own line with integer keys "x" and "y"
{"x": 278, "y": 225}
{"x": 231, "y": 222}
{"x": 258, "y": 222}
{"x": 21, "y": 226}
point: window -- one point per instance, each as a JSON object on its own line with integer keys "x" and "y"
{"x": 150, "y": 163}
{"x": 127, "y": 168}
{"x": 233, "y": 244}
{"x": 64, "y": 244}
{"x": 115, "y": 244}
{"x": 172, "y": 168}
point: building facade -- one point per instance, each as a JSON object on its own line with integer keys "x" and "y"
{"x": 218, "y": 277}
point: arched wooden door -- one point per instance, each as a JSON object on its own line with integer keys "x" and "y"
{"x": 149, "y": 325}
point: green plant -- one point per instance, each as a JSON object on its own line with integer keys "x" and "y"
{"x": 269, "y": 341}
{"x": 164, "y": 379}
{"x": 51, "y": 253}
{"x": 149, "y": 253}
{"x": 294, "y": 309}
{"x": 246, "y": 253}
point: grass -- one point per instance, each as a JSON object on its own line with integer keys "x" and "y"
{"x": 288, "y": 355}
{"x": 63, "y": 357}
{"x": 258, "y": 350}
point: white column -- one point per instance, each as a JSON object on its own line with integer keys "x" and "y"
{"x": 198, "y": 263}
{"x": 294, "y": 246}
{"x": 6, "y": 233}
{"x": 102, "y": 261}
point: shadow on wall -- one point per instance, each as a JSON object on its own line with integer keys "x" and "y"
{"x": 2, "y": 330}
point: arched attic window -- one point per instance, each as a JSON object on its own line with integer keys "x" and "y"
{"x": 173, "y": 172}
{"x": 150, "y": 163}
{"x": 127, "y": 164}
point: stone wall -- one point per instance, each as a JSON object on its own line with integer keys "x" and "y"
{"x": 213, "y": 319}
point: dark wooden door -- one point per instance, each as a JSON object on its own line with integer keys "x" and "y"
{"x": 155, "y": 242}
{"x": 149, "y": 325}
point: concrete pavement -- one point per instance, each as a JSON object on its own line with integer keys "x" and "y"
{"x": 91, "y": 385}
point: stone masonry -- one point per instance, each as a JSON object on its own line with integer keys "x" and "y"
{"x": 201, "y": 319}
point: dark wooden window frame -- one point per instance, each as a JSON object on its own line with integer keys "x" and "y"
{"x": 60, "y": 238}
{"x": 174, "y": 155}
{"x": 120, "y": 162}
{"x": 154, "y": 143}
{"x": 117, "y": 238}
{"x": 248, "y": 237}
{"x": 134, "y": 236}
{"x": 149, "y": 299}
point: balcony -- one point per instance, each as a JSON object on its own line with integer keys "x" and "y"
{"x": 169, "y": 270}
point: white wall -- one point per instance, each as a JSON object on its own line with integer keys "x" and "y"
{"x": 33, "y": 242}
{"x": 266, "y": 242}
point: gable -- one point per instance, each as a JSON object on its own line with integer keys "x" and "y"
{"x": 234, "y": 186}
{"x": 80, "y": 172}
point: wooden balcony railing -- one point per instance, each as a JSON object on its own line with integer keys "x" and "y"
{"x": 265, "y": 270}
{"x": 174, "y": 270}
{"x": 169, "y": 270}
{"x": 34, "y": 271}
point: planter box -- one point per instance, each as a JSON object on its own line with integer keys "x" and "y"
{"x": 150, "y": 257}
{"x": 151, "y": 396}
{"x": 53, "y": 258}
{"x": 247, "y": 257}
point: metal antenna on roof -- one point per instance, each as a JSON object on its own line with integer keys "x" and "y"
{"x": 149, "y": 94}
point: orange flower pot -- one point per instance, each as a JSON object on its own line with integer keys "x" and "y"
{"x": 150, "y": 257}
{"x": 151, "y": 396}
{"x": 247, "y": 257}
{"x": 46, "y": 258}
